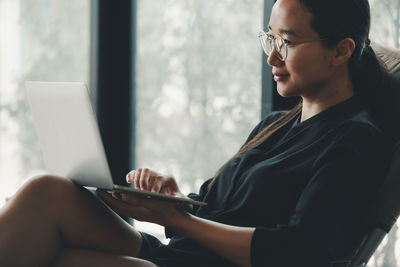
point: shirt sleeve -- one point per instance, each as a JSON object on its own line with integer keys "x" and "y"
{"x": 327, "y": 222}
{"x": 200, "y": 196}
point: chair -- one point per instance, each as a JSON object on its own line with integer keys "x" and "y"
{"x": 386, "y": 209}
{"x": 384, "y": 213}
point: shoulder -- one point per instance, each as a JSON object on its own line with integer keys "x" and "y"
{"x": 361, "y": 125}
{"x": 357, "y": 137}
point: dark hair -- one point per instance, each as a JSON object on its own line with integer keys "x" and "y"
{"x": 340, "y": 19}
{"x": 337, "y": 20}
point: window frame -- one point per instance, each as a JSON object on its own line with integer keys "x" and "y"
{"x": 113, "y": 46}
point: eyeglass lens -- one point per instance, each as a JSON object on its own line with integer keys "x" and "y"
{"x": 270, "y": 42}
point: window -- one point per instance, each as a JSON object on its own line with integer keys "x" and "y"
{"x": 46, "y": 40}
{"x": 198, "y": 85}
{"x": 385, "y": 30}
{"x": 385, "y": 22}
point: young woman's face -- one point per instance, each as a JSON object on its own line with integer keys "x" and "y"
{"x": 306, "y": 70}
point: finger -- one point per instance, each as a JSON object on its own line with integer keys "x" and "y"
{"x": 136, "y": 201}
{"x": 107, "y": 197}
{"x": 127, "y": 177}
{"x": 142, "y": 181}
{"x": 171, "y": 183}
{"x": 130, "y": 176}
{"x": 147, "y": 180}
{"x": 131, "y": 206}
{"x": 156, "y": 186}
{"x": 152, "y": 178}
{"x": 118, "y": 205}
{"x": 103, "y": 194}
{"x": 116, "y": 195}
{"x": 131, "y": 199}
{"x": 137, "y": 178}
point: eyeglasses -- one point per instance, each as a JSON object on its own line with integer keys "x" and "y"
{"x": 270, "y": 42}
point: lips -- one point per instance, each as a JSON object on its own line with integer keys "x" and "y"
{"x": 280, "y": 74}
{"x": 278, "y": 77}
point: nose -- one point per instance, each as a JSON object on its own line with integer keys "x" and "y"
{"x": 273, "y": 59}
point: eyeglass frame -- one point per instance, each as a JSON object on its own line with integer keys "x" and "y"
{"x": 285, "y": 43}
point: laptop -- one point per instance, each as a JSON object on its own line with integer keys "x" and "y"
{"x": 70, "y": 140}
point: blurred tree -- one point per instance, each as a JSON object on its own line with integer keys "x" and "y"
{"x": 386, "y": 21}
{"x": 198, "y": 84}
{"x": 54, "y": 46}
{"x": 393, "y": 9}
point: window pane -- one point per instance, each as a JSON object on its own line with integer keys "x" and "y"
{"x": 198, "y": 84}
{"x": 385, "y": 29}
{"x": 385, "y": 22}
{"x": 45, "y": 40}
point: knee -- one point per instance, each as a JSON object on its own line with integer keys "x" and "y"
{"x": 45, "y": 181}
{"x": 41, "y": 191}
{"x": 48, "y": 185}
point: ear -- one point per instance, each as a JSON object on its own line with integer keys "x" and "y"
{"x": 343, "y": 51}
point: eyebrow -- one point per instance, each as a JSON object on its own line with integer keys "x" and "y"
{"x": 286, "y": 31}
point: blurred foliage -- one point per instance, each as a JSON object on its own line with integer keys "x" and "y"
{"x": 385, "y": 24}
{"x": 54, "y": 47}
{"x": 198, "y": 84}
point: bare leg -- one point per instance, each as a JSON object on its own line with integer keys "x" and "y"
{"x": 49, "y": 214}
{"x": 77, "y": 258}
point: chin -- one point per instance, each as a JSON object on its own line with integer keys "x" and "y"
{"x": 285, "y": 91}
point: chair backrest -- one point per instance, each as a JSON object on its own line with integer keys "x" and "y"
{"x": 391, "y": 58}
{"x": 384, "y": 214}
{"x": 386, "y": 208}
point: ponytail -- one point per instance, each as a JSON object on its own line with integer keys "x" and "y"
{"x": 371, "y": 84}
{"x": 369, "y": 76}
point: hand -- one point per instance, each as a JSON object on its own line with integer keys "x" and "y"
{"x": 146, "y": 179}
{"x": 162, "y": 212}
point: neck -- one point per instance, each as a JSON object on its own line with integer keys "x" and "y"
{"x": 327, "y": 96}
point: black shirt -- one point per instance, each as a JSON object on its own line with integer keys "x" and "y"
{"x": 307, "y": 188}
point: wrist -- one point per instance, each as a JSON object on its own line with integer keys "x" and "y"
{"x": 179, "y": 222}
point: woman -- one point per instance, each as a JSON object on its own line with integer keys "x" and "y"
{"x": 296, "y": 194}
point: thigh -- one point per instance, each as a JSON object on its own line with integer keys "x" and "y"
{"x": 86, "y": 222}
{"x": 50, "y": 213}
{"x": 85, "y": 258}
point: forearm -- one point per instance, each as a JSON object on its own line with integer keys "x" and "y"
{"x": 231, "y": 242}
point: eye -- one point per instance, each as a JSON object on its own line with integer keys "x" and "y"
{"x": 287, "y": 42}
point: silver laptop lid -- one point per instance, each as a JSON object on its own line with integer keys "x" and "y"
{"x": 68, "y": 132}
